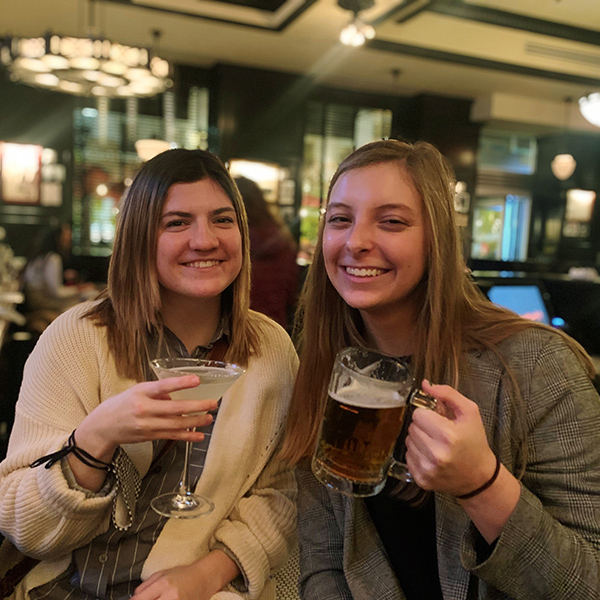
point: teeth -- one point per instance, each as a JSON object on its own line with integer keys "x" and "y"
{"x": 203, "y": 264}
{"x": 364, "y": 272}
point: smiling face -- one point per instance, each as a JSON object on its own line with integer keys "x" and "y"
{"x": 374, "y": 240}
{"x": 199, "y": 247}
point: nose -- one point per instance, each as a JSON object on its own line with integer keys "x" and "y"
{"x": 203, "y": 237}
{"x": 360, "y": 238}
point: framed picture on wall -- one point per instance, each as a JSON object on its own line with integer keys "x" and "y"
{"x": 20, "y": 173}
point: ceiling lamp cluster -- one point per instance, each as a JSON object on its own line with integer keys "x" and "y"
{"x": 85, "y": 66}
{"x": 357, "y": 32}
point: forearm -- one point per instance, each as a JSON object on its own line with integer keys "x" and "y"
{"x": 537, "y": 557}
{"x": 491, "y": 509}
{"x": 44, "y": 517}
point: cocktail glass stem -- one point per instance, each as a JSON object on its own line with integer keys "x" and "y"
{"x": 184, "y": 484}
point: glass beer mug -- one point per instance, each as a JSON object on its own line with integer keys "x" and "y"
{"x": 368, "y": 397}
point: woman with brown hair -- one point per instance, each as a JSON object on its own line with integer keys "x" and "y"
{"x": 178, "y": 285}
{"x": 512, "y": 458}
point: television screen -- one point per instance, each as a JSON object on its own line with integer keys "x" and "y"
{"x": 526, "y": 300}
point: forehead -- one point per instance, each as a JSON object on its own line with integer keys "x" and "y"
{"x": 374, "y": 185}
{"x": 204, "y": 193}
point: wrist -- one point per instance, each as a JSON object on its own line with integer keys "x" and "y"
{"x": 219, "y": 569}
{"x": 491, "y": 509}
{"x": 484, "y": 486}
{"x": 95, "y": 442}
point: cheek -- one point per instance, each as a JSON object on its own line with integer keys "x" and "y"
{"x": 330, "y": 246}
{"x": 328, "y": 256}
{"x": 235, "y": 251}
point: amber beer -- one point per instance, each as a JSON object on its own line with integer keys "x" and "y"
{"x": 362, "y": 419}
{"x": 358, "y": 437}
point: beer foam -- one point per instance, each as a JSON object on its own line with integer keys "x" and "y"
{"x": 357, "y": 394}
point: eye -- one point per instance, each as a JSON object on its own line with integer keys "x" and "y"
{"x": 339, "y": 219}
{"x": 174, "y": 223}
{"x": 225, "y": 220}
{"x": 394, "y": 223}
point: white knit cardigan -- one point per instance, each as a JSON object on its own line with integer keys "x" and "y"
{"x": 68, "y": 374}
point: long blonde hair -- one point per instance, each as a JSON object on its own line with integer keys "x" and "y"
{"x": 455, "y": 316}
{"x": 130, "y": 307}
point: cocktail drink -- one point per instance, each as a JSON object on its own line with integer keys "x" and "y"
{"x": 216, "y": 377}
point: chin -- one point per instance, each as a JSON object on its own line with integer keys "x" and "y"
{"x": 365, "y": 304}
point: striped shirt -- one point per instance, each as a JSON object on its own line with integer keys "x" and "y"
{"x": 110, "y": 566}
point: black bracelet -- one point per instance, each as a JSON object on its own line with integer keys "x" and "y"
{"x": 79, "y": 453}
{"x": 485, "y": 486}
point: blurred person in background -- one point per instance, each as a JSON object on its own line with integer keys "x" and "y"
{"x": 275, "y": 274}
{"x": 44, "y": 278}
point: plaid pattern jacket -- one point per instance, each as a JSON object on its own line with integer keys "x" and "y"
{"x": 550, "y": 547}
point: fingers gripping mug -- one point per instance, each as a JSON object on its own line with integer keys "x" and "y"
{"x": 368, "y": 397}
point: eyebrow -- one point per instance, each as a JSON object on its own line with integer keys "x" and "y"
{"x": 382, "y": 207}
{"x": 181, "y": 213}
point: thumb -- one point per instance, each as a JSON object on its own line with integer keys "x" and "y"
{"x": 451, "y": 403}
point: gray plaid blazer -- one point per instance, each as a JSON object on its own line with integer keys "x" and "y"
{"x": 550, "y": 547}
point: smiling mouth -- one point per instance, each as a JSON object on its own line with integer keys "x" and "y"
{"x": 364, "y": 272}
{"x": 202, "y": 264}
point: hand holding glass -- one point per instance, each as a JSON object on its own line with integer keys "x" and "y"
{"x": 368, "y": 397}
{"x": 216, "y": 378}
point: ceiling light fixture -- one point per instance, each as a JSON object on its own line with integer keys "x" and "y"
{"x": 589, "y": 107}
{"x": 563, "y": 165}
{"x": 357, "y": 31}
{"x": 86, "y": 66}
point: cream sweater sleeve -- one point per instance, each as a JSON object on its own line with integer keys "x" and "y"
{"x": 261, "y": 530}
{"x": 39, "y": 512}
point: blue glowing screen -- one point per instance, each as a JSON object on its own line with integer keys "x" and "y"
{"x": 525, "y": 300}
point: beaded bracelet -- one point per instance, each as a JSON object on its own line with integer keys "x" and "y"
{"x": 485, "y": 486}
{"x": 79, "y": 453}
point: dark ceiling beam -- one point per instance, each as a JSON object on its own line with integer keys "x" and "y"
{"x": 403, "y": 11}
{"x": 279, "y": 27}
{"x": 501, "y": 18}
{"x": 482, "y": 63}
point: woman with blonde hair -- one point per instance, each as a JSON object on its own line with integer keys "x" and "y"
{"x": 90, "y": 411}
{"x": 511, "y": 460}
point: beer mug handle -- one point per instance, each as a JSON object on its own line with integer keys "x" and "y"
{"x": 420, "y": 399}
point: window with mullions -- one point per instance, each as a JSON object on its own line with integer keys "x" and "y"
{"x": 332, "y": 132}
{"x": 106, "y": 161}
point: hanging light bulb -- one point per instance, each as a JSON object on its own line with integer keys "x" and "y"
{"x": 357, "y": 31}
{"x": 563, "y": 166}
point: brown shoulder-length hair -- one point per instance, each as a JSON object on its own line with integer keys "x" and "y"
{"x": 130, "y": 305}
{"x": 455, "y": 316}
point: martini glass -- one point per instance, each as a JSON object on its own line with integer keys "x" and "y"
{"x": 216, "y": 377}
